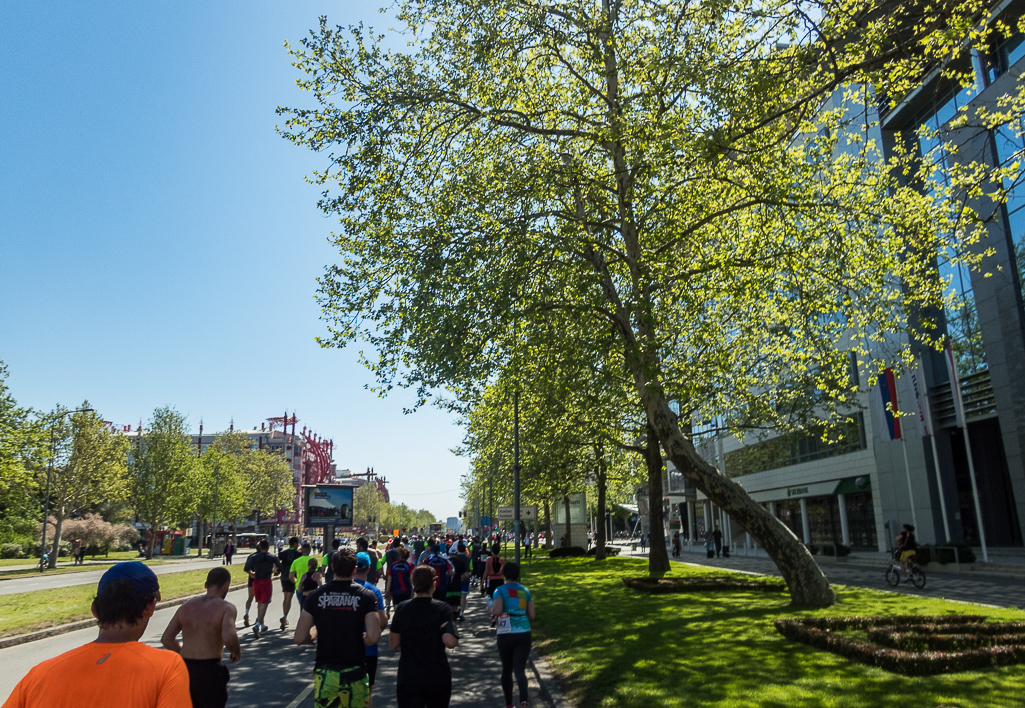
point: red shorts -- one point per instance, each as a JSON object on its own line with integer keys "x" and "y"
{"x": 262, "y": 590}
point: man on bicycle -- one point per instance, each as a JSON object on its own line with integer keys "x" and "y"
{"x": 906, "y": 546}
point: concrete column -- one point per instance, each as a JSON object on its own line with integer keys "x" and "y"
{"x": 805, "y": 526}
{"x": 747, "y": 544}
{"x": 845, "y": 531}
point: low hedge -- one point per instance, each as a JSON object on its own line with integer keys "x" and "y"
{"x": 837, "y": 549}
{"x": 944, "y": 554}
{"x": 930, "y": 647}
{"x": 568, "y": 552}
{"x": 708, "y": 583}
{"x": 609, "y": 550}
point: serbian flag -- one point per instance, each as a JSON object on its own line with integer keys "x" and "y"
{"x": 885, "y": 404}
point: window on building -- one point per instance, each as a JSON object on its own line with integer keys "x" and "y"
{"x": 789, "y": 512}
{"x": 962, "y": 317}
{"x": 817, "y": 443}
{"x": 861, "y": 520}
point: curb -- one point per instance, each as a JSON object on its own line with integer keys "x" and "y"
{"x": 85, "y": 624}
{"x": 546, "y": 681}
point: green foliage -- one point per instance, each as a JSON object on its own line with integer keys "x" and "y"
{"x": 22, "y": 452}
{"x": 691, "y": 190}
{"x": 162, "y": 471}
{"x": 90, "y": 465}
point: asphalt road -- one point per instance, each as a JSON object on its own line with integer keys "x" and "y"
{"x": 31, "y": 583}
{"x": 274, "y": 673}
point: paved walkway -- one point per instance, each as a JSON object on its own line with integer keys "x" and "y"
{"x": 274, "y": 673}
{"x": 964, "y": 587}
{"x": 44, "y": 581}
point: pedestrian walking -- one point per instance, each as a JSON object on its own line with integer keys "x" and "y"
{"x": 513, "y": 607}
{"x": 207, "y": 626}
{"x": 116, "y": 670}
{"x": 342, "y": 617}
{"x": 709, "y": 545}
{"x": 676, "y": 545}
{"x": 229, "y": 551}
{"x": 422, "y": 630}
{"x": 644, "y": 542}
{"x": 717, "y": 540}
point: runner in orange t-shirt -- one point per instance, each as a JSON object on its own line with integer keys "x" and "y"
{"x": 115, "y": 671}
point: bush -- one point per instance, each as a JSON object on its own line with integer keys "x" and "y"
{"x": 12, "y": 550}
{"x": 570, "y": 552}
{"x": 840, "y": 550}
{"x": 914, "y": 645}
{"x": 609, "y": 550}
{"x": 704, "y": 583}
{"x": 944, "y": 554}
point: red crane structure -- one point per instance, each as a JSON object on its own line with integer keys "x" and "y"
{"x": 372, "y": 478}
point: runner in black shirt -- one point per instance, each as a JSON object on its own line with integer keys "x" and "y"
{"x": 340, "y": 612}
{"x": 285, "y": 559}
{"x": 261, "y": 566}
{"x": 423, "y": 628}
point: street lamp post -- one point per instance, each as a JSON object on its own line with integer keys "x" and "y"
{"x": 516, "y": 472}
{"x": 49, "y": 474}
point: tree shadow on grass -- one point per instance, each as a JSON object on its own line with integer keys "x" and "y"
{"x": 619, "y": 647}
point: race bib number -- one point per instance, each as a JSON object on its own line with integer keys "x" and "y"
{"x": 504, "y": 625}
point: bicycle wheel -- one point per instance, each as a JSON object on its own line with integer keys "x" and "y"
{"x": 918, "y": 578}
{"x": 893, "y": 576}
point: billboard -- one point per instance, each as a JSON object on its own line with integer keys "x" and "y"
{"x": 328, "y": 505}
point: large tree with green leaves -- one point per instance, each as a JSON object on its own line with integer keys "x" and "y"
{"x": 161, "y": 477}
{"x": 22, "y": 453}
{"x": 685, "y": 175}
{"x": 89, "y": 466}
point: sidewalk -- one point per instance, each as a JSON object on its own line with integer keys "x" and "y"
{"x": 868, "y": 571}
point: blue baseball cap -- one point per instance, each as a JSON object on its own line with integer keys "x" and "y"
{"x": 140, "y": 575}
{"x": 363, "y": 560}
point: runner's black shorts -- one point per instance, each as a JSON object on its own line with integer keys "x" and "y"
{"x": 287, "y": 585}
{"x": 208, "y": 682}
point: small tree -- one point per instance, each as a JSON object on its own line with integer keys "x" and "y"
{"x": 162, "y": 472}
{"x": 90, "y": 466}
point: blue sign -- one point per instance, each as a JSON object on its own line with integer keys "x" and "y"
{"x": 485, "y": 521}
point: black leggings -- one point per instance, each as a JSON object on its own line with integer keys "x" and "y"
{"x": 514, "y": 650}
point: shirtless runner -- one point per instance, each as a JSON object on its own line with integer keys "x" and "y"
{"x": 207, "y": 625}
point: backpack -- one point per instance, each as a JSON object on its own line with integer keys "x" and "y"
{"x": 440, "y": 566}
{"x": 400, "y": 582}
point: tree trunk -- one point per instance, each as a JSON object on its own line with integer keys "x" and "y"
{"x": 548, "y": 525}
{"x": 807, "y": 584}
{"x": 151, "y": 542}
{"x": 602, "y": 481}
{"x": 569, "y": 526}
{"x": 58, "y": 526}
{"x": 658, "y": 557}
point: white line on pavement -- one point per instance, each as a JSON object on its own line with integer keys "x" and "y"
{"x": 301, "y": 697}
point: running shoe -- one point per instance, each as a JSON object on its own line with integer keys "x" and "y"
{"x": 245, "y": 620}
{"x": 256, "y": 630}
{"x": 284, "y": 623}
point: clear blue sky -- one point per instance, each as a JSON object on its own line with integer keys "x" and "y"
{"x": 158, "y": 245}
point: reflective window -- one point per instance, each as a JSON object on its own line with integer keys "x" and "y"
{"x": 962, "y": 317}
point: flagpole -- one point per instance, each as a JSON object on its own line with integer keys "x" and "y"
{"x": 904, "y": 448}
{"x": 955, "y": 389}
{"x": 935, "y": 455}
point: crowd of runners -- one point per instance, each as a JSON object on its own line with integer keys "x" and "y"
{"x": 418, "y": 587}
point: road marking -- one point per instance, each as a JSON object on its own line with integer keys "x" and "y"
{"x": 301, "y": 697}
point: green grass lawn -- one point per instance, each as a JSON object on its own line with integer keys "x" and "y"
{"x": 618, "y": 647}
{"x": 30, "y": 611}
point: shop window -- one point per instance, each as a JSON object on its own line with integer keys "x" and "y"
{"x": 861, "y": 521}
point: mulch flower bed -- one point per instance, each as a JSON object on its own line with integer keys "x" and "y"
{"x": 711, "y": 583}
{"x": 912, "y": 645}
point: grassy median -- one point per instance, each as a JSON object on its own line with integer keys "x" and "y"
{"x": 31, "y": 611}
{"x": 619, "y": 647}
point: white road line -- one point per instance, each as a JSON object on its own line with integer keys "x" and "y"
{"x": 301, "y": 697}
